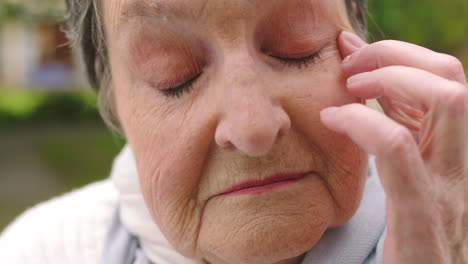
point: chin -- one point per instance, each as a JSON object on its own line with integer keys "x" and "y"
{"x": 265, "y": 228}
{"x": 270, "y": 241}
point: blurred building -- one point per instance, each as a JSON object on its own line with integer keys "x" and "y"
{"x": 33, "y": 47}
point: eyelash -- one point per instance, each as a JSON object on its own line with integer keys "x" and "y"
{"x": 179, "y": 91}
{"x": 300, "y": 63}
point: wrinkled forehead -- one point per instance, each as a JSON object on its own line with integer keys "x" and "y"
{"x": 222, "y": 14}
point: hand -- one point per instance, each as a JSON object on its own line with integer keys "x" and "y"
{"x": 420, "y": 143}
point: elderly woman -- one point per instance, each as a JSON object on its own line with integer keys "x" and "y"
{"x": 249, "y": 141}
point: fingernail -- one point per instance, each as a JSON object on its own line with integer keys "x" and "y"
{"x": 356, "y": 79}
{"x": 328, "y": 112}
{"x": 353, "y": 41}
{"x": 352, "y": 80}
{"x": 347, "y": 59}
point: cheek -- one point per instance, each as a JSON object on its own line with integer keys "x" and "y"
{"x": 312, "y": 91}
{"x": 158, "y": 145}
{"x": 162, "y": 149}
{"x": 169, "y": 149}
{"x": 345, "y": 163}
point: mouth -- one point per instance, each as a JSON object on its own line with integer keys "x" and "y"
{"x": 261, "y": 186}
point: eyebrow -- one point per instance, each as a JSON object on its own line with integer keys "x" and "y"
{"x": 146, "y": 9}
{"x": 155, "y": 10}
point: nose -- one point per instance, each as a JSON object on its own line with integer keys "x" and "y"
{"x": 252, "y": 122}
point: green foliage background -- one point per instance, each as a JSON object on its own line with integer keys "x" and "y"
{"x": 32, "y": 10}
{"x": 64, "y": 128}
{"x": 441, "y": 25}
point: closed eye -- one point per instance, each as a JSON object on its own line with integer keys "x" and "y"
{"x": 180, "y": 90}
{"x": 186, "y": 87}
{"x": 300, "y": 63}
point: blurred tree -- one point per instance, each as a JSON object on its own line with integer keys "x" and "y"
{"x": 438, "y": 24}
{"x": 31, "y": 10}
{"x": 441, "y": 25}
{"x": 10, "y": 10}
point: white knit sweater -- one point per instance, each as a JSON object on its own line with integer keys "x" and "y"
{"x": 51, "y": 232}
{"x": 72, "y": 228}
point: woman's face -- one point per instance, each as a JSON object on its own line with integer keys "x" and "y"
{"x": 251, "y": 78}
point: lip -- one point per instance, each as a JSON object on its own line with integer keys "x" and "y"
{"x": 261, "y": 186}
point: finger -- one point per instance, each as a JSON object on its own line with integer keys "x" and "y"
{"x": 412, "y": 213}
{"x": 391, "y": 52}
{"x": 443, "y": 102}
{"x": 349, "y": 43}
{"x": 400, "y": 166}
{"x": 443, "y": 140}
{"x": 411, "y": 86}
{"x": 406, "y": 115}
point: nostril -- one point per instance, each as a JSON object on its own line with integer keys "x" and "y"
{"x": 253, "y": 133}
{"x": 283, "y": 130}
{"x": 280, "y": 133}
{"x": 222, "y": 138}
{"x": 227, "y": 144}
{"x": 285, "y": 125}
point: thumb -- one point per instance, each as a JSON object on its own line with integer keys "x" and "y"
{"x": 349, "y": 43}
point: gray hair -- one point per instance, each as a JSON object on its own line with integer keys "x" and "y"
{"x": 85, "y": 30}
{"x": 86, "y": 33}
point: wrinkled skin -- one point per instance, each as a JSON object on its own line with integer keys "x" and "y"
{"x": 253, "y": 113}
{"x": 420, "y": 144}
